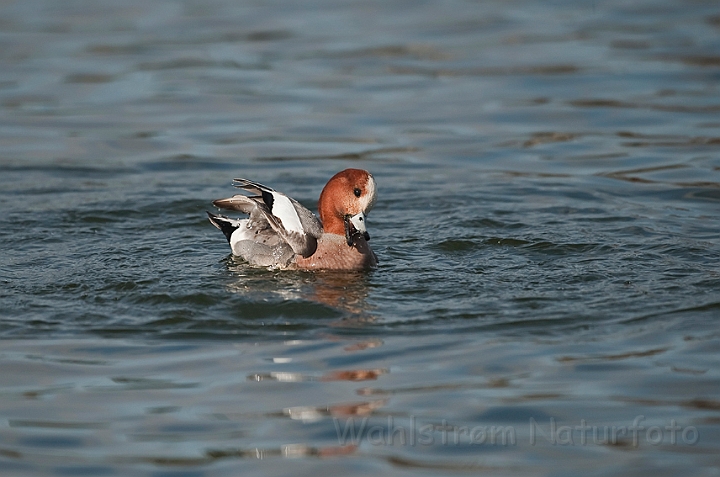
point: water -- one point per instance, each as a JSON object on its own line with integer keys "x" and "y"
{"x": 547, "y": 227}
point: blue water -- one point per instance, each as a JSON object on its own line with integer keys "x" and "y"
{"x": 547, "y": 226}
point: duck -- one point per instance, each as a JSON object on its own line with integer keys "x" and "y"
{"x": 280, "y": 233}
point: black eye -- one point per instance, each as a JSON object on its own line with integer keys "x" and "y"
{"x": 357, "y": 192}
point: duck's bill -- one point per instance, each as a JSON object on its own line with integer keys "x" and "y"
{"x": 355, "y": 226}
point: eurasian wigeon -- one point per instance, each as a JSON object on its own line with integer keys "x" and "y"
{"x": 281, "y": 233}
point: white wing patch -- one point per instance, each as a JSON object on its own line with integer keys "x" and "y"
{"x": 284, "y": 210}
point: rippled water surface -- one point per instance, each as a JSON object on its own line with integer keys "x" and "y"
{"x": 548, "y": 224}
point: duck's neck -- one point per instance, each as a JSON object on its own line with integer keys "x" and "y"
{"x": 331, "y": 218}
{"x": 333, "y": 225}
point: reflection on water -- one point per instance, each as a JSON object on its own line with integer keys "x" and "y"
{"x": 341, "y": 293}
{"x": 345, "y": 291}
{"x": 511, "y": 407}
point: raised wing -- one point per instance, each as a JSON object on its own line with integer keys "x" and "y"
{"x": 295, "y": 224}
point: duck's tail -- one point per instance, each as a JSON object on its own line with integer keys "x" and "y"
{"x": 225, "y": 224}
